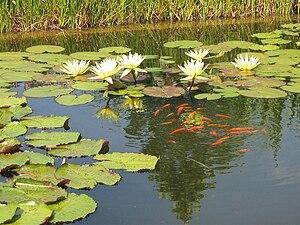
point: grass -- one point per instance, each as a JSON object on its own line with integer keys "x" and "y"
{"x": 27, "y": 15}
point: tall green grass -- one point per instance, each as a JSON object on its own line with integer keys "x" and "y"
{"x": 27, "y": 15}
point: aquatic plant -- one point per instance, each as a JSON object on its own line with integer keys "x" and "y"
{"x": 105, "y": 70}
{"x": 193, "y": 69}
{"x": 246, "y": 63}
{"x": 75, "y": 67}
{"x": 198, "y": 55}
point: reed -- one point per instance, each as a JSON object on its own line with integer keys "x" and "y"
{"x": 27, "y": 15}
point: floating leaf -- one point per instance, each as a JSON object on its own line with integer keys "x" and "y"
{"x": 19, "y": 111}
{"x": 45, "y": 48}
{"x": 16, "y": 76}
{"x": 164, "y": 92}
{"x": 284, "y": 52}
{"x": 86, "y": 176}
{"x": 263, "y": 48}
{"x": 151, "y": 56}
{"x": 73, "y": 208}
{"x": 47, "y": 91}
{"x": 90, "y": 86}
{"x": 45, "y": 121}
{"x": 277, "y": 41}
{"x": 238, "y": 44}
{"x": 89, "y": 55}
{"x": 52, "y": 59}
{"x": 234, "y": 72}
{"x": 71, "y": 100}
{"x": 263, "y": 92}
{"x": 30, "y": 190}
{"x": 13, "y": 129}
{"x": 5, "y": 117}
{"x": 208, "y": 96}
{"x": 153, "y": 69}
{"x": 275, "y": 68}
{"x": 38, "y": 158}
{"x": 183, "y": 44}
{"x": 279, "y": 60}
{"x": 292, "y": 87}
{"x": 115, "y": 50}
{"x": 9, "y": 101}
{"x": 50, "y": 78}
{"x": 50, "y": 139}
{"x": 130, "y": 162}
{"x": 7, "y": 212}
{"x": 82, "y": 148}
{"x": 8, "y": 161}
{"x": 259, "y": 82}
{"x": 9, "y": 144}
{"x": 13, "y": 56}
{"x": 270, "y": 35}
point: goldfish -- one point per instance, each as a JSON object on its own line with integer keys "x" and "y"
{"x": 156, "y": 112}
{"x": 167, "y": 122}
{"x": 217, "y": 125}
{"x": 220, "y": 141}
{"x": 206, "y": 119}
{"x": 244, "y": 150}
{"x": 182, "y": 105}
{"x": 264, "y": 130}
{"x": 239, "y": 132}
{"x": 179, "y": 110}
{"x": 223, "y": 116}
{"x": 240, "y": 128}
{"x": 200, "y": 109}
{"x": 170, "y": 114}
{"x": 177, "y": 130}
{"x": 166, "y": 105}
{"x": 215, "y": 133}
{"x": 195, "y": 128}
{"x": 172, "y": 141}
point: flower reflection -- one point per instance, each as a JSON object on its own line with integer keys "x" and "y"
{"x": 132, "y": 103}
{"x": 107, "y": 114}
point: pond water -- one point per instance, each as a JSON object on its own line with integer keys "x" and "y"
{"x": 258, "y": 186}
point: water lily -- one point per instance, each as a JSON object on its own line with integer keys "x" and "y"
{"x": 193, "y": 69}
{"x": 198, "y": 55}
{"x": 75, "y": 67}
{"x": 246, "y": 63}
{"x": 106, "y": 69}
{"x": 131, "y": 63}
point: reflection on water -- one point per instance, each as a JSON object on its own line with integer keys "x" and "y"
{"x": 205, "y": 184}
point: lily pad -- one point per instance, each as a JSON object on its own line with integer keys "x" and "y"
{"x": 263, "y": 48}
{"x": 238, "y": 44}
{"x": 71, "y": 100}
{"x": 115, "y": 50}
{"x": 73, "y": 208}
{"x": 292, "y": 87}
{"x": 208, "y": 96}
{"x": 233, "y": 72}
{"x": 130, "y": 162}
{"x": 52, "y": 59}
{"x": 5, "y": 117}
{"x": 90, "y": 55}
{"x": 275, "y": 68}
{"x": 266, "y": 35}
{"x": 8, "y": 161}
{"x": 45, "y": 121}
{"x": 50, "y": 78}
{"x": 19, "y": 111}
{"x": 10, "y": 101}
{"x": 90, "y": 86}
{"x": 44, "y": 49}
{"x": 12, "y": 56}
{"x": 86, "y": 176}
{"x": 259, "y": 82}
{"x": 7, "y": 212}
{"x": 164, "y": 92}
{"x": 82, "y": 148}
{"x": 13, "y": 129}
{"x": 9, "y": 144}
{"x": 284, "y": 52}
{"x": 183, "y": 44}
{"x": 25, "y": 190}
{"x": 47, "y": 91}
{"x": 49, "y": 139}
{"x": 38, "y": 158}
{"x": 18, "y": 76}
{"x": 263, "y": 92}
{"x": 275, "y": 41}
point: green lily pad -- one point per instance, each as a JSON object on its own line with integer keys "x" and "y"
{"x": 151, "y": 56}
{"x": 86, "y": 176}
{"x": 275, "y": 41}
{"x": 47, "y": 91}
{"x": 90, "y": 86}
{"x": 164, "y": 92}
{"x": 238, "y": 44}
{"x": 88, "y": 56}
{"x": 270, "y": 35}
{"x": 32, "y": 213}
{"x": 45, "y": 121}
{"x": 82, "y": 148}
{"x": 208, "y": 96}
{"x": 7, "y": 212}
{"x": 30, "y": 190}
{"x": 13, "y": 129}
{"x": 263, "y": 48}
{"x": 50, "y": 78}
{"x": 292, "y": 87}
{"x": 8, "y": 161}
{"x": 71, "y": 100}
{"x": 10, "y": 101}
{"x": 234, "y": 72}
{"x": 19, "y": 111}
{"x": 18, "y": 76}
{"x": 258, "y": 82}
{"x": 44, "y": 49}
{"x": 38, "y": 158}
{"x": 153, "y": 69}
{"x": 183, "y": 44}
{"x": 275, "y": 68}
{"x": 49, "y": 139}
{"x": 9, "y": 144}
{"x": 52, "y": 59}
{"x": 279, "y": 60}
{"x": 115, "y": 50}
{"x": 73, "y": 208}
{"x": 263, "y": 92}
{"x": 5, "y": 117}
{"x": 12, "y": 56}
{"x": 284, "y": 52}
{"x": 290, "y": 25}
{"x": 130, "y": 162}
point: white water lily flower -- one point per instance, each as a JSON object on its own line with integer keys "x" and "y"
{"x": 198, "y": 55}
{"x": 130, "y": 63}
{"x": 106, "y": 69}
{"x": 193, "y": 69}
{"x": 75, "y": 67}
{"x": 246, "y": 63}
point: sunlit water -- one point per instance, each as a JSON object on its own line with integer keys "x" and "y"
{"x": 257, "y": 187}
